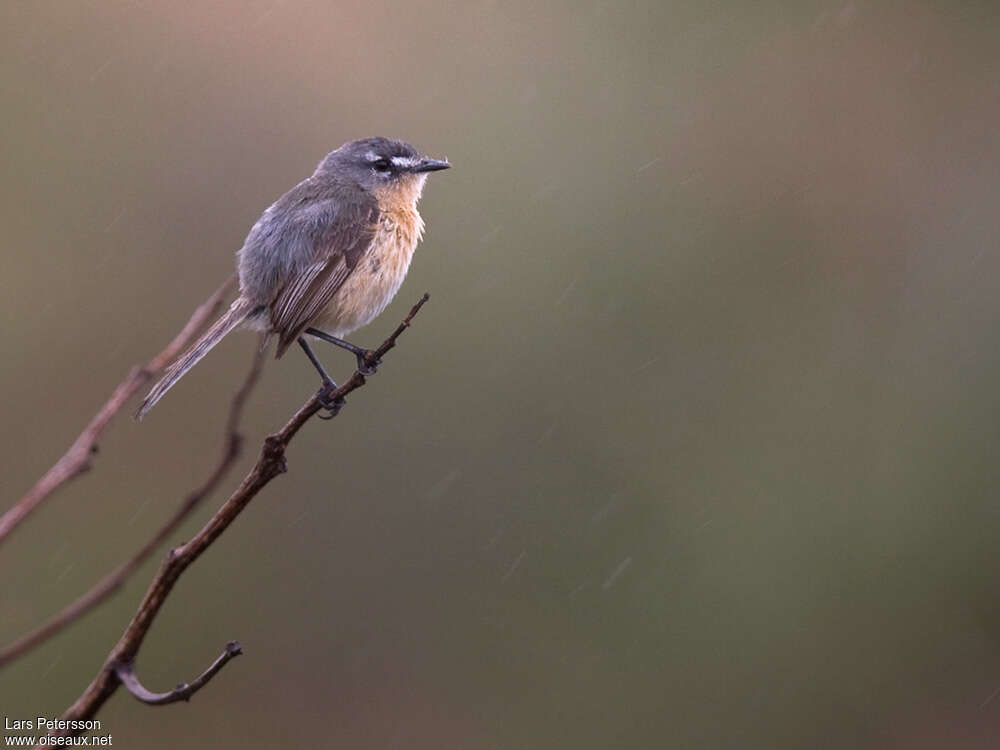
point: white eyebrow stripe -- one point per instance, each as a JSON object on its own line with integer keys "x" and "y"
{"x": 372, "y": 156}
{"x": 404, "y": 161}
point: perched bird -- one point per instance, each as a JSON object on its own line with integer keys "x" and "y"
{"x": 327, "y": 256}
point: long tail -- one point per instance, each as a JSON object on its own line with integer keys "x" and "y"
{"x": 237, "y": 313}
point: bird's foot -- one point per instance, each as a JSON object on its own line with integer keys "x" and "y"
{"x": 364, "y": 367}
{"x": 326, "y": 399}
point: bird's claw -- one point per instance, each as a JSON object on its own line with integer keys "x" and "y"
{"x": 327, "y": 401}
{"x": 364, "y": 368}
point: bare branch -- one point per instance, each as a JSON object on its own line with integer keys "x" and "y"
{"x": 270, "y": 463}
{"x": 103, "y": 589}
{"x": 77, "y": 459}
{"x": 184, "y": 691}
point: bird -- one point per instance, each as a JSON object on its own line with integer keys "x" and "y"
{"x": 326, "y": 257}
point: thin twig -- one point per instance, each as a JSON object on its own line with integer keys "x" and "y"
{"x": 76, "y": 460}
{"x": 270, "y": 463}
{"x": 114, "y": 580}
{"x": 184, "y": 691}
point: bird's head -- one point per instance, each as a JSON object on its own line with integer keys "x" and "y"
{"x": 383, "y": 166}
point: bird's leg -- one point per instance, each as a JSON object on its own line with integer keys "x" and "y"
{"x": 363, "y": 367}
{"x": 326, "y": 390}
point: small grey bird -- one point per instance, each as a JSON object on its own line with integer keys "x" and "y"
{"x": 327, "y": 256}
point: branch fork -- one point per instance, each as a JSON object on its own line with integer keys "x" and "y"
{"x": 125, "y": 671}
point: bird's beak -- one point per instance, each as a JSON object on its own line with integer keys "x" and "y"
{"x": 430, "y": 165}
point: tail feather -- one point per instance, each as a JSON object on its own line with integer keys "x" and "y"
{"x": 237, "y": 313}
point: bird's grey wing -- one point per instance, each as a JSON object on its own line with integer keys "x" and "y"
{"x": 341, "y": 236}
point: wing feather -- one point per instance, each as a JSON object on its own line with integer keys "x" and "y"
{"x": 345, "y": 233}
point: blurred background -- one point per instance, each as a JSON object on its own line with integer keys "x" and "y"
{"x": 695, "y": 445}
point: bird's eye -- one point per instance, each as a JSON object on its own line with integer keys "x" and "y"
{"x": 381, "y": 165}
